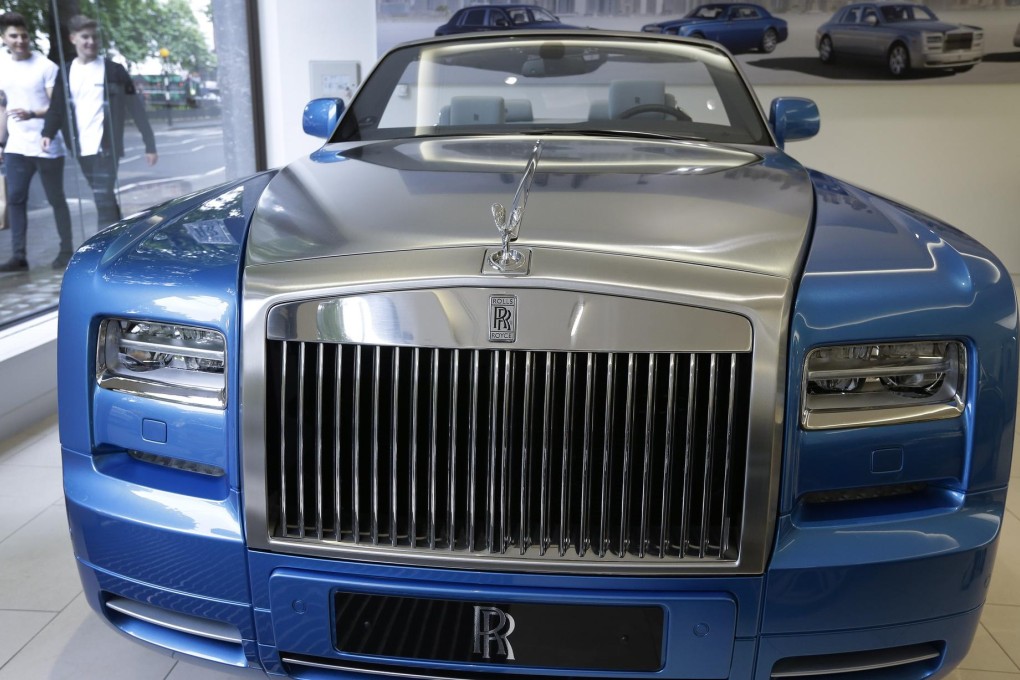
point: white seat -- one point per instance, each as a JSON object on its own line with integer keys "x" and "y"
{"x": 477, "y": 111}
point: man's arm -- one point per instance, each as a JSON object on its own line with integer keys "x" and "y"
{"x": 136, "y": 107}
{"x": 55, "y": 113}
{"x": 3, "y": 122}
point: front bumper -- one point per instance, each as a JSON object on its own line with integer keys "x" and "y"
{"x": 832, "y": 593}
{"x": 948, "y": 59}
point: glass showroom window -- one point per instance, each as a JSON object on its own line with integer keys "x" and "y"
{"x": 146, "y": 127}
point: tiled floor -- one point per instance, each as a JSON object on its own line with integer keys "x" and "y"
{"x": 48, "y": 631}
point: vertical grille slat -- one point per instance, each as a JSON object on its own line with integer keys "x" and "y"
{"x": 394, "y": 477}
{"x": 301, "y": 443}
{"x": 412, "y": 529}
{"x": 566, "y": 455}
{"x": 585, "y": 456}
{"x": 451, "y": 482}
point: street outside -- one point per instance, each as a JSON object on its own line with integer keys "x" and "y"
{"x": 190, "y": 157}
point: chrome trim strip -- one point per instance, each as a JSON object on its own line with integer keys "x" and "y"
{"x": 523, "y": 538}
{"x": 844, "y": 663}
{"x": 391, "y": 672}
{"x": 184, "y": 623}
{"x": 168, "y": 348}
{"x": 833, "y": 420}
{"x": 190, "y": 395}
{"x": 456, "y": 318}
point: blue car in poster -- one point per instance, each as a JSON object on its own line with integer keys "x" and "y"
{"x": 740, "y": 27}
{"x": 549, "y": 395}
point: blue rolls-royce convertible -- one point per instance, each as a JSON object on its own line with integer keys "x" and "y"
{"x": 549, "y": 363}
{"x": 740, "y": 27}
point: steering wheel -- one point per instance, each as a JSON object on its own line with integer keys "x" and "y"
{"x": 674, "y": 111}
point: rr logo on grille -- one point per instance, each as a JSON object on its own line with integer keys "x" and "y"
{"x": 493, "y": 625}
{"x": 502, "y": 318}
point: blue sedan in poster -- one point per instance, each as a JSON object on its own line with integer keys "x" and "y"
{"x": 739, "y": 27}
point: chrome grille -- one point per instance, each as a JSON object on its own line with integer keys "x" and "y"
{"x": 529, "y": 454}
{"x": 958, "y": 41}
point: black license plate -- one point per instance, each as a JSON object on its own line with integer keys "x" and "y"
{"x": 594, "y": 637}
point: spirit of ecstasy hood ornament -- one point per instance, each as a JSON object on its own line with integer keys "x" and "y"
{"x": 510, "y": 260}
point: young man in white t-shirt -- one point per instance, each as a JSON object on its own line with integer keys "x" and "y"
{"x": 26, "y": 87}
{"x": 102, "y": 96}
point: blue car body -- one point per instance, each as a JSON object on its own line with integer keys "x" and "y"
{"x": 740, "y": 27}
{"x": 160, "y": 512}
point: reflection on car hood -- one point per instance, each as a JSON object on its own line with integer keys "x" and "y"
{"x": 683, "y": 201}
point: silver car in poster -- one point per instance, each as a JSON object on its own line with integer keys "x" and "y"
{"x": 902, "y": 36}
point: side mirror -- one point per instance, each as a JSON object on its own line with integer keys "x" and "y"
{"x": 793, "y": 118}
{"x": 501, "y": 22}
{"x": 321, "y": 116}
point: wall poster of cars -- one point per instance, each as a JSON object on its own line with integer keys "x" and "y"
{"x": 777, "y": 42}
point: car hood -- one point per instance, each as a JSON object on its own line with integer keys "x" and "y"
{"x": 687, "y": 21}
{"x": 692, "y": 202}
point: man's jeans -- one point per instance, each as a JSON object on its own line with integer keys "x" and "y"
{"x": 20, "y": 170}
{"x": 100, "y": 172}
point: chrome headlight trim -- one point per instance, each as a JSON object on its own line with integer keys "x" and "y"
{"x": 883, "y": 383}
{"x": 169, "y": 362}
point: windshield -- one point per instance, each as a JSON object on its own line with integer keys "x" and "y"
{"x": 707, "y": 12}
{"x": 893, "y": 13}
{"x": 565, "y": 84}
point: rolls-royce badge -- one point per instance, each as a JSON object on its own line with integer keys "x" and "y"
{"x": 502, "y": 318}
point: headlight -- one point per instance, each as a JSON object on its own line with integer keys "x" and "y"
{"x": 176, "y": 363}
{"x": 933, "y": 39}
{"x": 883, "y": 384}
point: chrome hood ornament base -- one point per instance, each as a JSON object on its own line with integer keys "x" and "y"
{"x": 510, "y": 260}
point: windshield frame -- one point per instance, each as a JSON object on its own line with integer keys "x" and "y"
{"x": 748, "y": 124}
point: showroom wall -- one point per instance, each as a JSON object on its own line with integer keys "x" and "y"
{"x": 301, "y": 40}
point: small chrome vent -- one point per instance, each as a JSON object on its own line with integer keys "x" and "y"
{"x": 525, "y": 454}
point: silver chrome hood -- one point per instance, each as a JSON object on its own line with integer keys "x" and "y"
{"x": 683, "y": 201}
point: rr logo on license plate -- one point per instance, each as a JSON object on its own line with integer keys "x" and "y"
{"x": 493, "y": 626}
{"x": 502, "y": 318}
